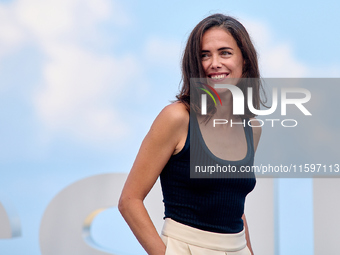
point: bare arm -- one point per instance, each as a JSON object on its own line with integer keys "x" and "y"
{"x": 256, "y": 136}
{"x": 163, "y": 139}
{"x": 247, "y": 233}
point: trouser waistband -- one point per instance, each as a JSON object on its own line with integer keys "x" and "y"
{"x": 205, "y": 239}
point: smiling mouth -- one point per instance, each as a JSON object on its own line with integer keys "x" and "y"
{"x": 218, "y": 77}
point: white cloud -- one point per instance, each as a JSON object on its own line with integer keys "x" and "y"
{"x": 279, "y": 62}
{"x": 163, "y": 51}
{"x": 46, "y": 19}
{"x": 278, "y": 59}
{"x": 77, "y": 86}
{"x": 275, "y": 60}
{"x": 49, "y": 20}
{"x": 11, "y": 35}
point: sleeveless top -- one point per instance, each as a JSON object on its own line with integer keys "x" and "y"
{"x": 210, "y": 204}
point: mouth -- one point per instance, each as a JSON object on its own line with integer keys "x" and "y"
{"x": 218, "y": 76}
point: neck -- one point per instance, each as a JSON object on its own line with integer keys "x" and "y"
{"x": 225, "y": 111}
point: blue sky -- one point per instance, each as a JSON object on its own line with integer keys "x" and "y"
{"x": 82, "y": 81}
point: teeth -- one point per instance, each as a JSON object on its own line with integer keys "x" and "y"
{"x": 218, "y": 77}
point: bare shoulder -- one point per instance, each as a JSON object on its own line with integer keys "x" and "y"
{"x": 176, "y": 111}
{"x": 157, "y": 147}
{"x": 257, "y": 130}
{"x": 174, "y": 116}
{"x": 172, "y": 123}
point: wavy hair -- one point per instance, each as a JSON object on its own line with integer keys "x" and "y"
{"x": 192, "y": 63}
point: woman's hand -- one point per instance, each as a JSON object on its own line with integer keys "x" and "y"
{"x": 247, "y": 234}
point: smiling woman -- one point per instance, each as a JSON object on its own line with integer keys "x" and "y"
{"x": 221, "y": 57}
{"x": 218, "y": 48}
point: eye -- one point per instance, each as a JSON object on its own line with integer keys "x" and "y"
{"x": 225, "y": 53}
{"x": 204, "y": 56}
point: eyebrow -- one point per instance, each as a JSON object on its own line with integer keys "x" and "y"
{"x": 223, "y": 48}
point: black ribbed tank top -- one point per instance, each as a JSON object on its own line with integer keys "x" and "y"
{"x": 211, "y": 204}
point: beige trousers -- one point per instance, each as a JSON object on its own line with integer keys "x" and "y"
{"x": 181, "y": 239}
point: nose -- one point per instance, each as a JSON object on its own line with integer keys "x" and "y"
{"x": 215, "y": 62}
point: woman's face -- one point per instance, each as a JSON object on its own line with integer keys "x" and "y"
{"x": 220, "y": 55}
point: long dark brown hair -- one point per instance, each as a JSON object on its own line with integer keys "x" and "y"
{"x": 192, "y": 63}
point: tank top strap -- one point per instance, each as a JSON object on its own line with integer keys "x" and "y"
{"x": 249, "y": 135}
